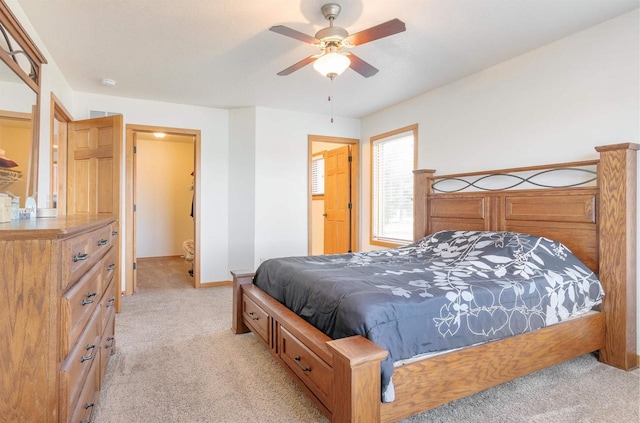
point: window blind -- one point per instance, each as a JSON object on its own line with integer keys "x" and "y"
{"x": 392, "y": 188}
{"x": 317, "y": 175}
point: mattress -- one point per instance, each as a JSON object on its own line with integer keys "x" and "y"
{"x": 449, "y": 290}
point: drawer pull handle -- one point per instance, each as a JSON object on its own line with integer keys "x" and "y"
{"x": 253, "y": 316}
{"x": 87, "y": 406}
{"x": 111, "y": 266}
{"x": 299, "y": 363}
{"x": 109, "y": 339}
{"x": 90, "y": 298}
{"x": 90, "y": 356}
{"x": 80, "y": 257}
{"x": 114, "y": 233}
{"x": 110, "y": 302}
{"x": 103, "y": 242}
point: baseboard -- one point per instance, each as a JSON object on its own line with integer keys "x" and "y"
{"x": 215, "y": 284}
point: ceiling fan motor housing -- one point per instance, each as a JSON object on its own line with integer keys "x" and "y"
{"x": 332, "y": 33}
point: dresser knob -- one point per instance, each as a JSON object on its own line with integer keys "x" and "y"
{"x": 109, "y": 339}
{"x": 90, "y": 298}
{"x": 103, "y": 242}
{"x": 111, "y": 266}
{"x": 80, "y": 257}
{"x": 90, "y": 356}
{"x": 87, "y": 406}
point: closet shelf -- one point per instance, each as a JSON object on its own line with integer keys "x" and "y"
{"x": 8, "y": 177}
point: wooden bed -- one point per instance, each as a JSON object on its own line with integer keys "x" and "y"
{"x": 597, "y": 223}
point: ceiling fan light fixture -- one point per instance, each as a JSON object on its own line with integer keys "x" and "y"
{"x": 331, "y": 64}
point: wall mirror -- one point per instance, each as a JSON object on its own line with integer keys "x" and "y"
{"x": 20, "y": 63}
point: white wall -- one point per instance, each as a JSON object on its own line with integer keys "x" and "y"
{"x": 554, "y": 104}
{"x": 163, "y": 196}
{"x": 281, "y": 173}
{"x": 213, "y": 181}
{"x": 242, "y": 184}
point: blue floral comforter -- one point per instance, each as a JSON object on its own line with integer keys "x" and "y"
{"x": 451, "y": 289}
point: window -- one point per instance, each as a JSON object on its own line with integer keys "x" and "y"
{"x": 392, "y": 163}
{"x": 317, "y": 174}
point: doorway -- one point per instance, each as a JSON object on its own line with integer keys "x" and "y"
{"x": 138, "y": 136}
{"x": 333, "y": 215}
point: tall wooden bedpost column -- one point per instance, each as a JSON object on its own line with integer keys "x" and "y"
{"x": 356, "y": 380}
{"x": 421, "y": 187}
{"x": 240, "y": 277}
{"x": 617, "y": 180}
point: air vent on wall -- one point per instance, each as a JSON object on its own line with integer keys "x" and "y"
{"x": 100, "y": 113}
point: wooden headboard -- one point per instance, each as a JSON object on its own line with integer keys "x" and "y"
{"x": 566, "y": 215}
{"x": 597, "y": 223}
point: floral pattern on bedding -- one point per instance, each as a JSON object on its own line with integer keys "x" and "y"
{"x": 465, "y": 256}
{"x": 451, "y": 289}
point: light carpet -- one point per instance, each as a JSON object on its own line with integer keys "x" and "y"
{"x": 178, "y": 361}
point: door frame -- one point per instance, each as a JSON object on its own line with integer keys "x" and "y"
{"x": 355, "y": 185}
{"x": 131, "y": 131}
{"x": 62, "y": 115}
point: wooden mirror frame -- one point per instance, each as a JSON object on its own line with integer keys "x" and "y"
{"x": 10, "y": 23}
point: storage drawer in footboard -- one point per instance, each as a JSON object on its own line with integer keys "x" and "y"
{"x": 310, "y": 368}
{"x": 257, "y": 319}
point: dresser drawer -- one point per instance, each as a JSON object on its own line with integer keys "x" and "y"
{"x": 113, "y": 228}
{"x": 76, "y": 259}
{"x": 107, "y": 303}
{"x": 77, "y": 305}
{"x": 257, "y": 318}
{"x": 81, "y": 252}
{"x": 310, "y": 368}
{"x": 109, "y": 264}
{"x": 101, "y": 241}
{"x": 76, "y": 367}
{"x": 87, "y": 401}
{"x": 107, "y": 344}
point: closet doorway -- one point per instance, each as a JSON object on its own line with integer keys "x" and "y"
{"x": 333, "y": 194}
{"x": 162, "y": 196}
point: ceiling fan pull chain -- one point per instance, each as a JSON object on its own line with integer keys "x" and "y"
{"x": 329, "y": 98}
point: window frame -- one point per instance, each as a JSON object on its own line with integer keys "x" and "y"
{"x": 373, "y": 239}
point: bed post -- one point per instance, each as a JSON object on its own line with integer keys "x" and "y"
{"x": 356, "y": 380}
{"x": 240, "y": 277}
{"x": 421, "y": 187}
{"x": 617, "y": 180}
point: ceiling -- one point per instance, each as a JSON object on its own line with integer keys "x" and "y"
{"x": 220, "y": 53}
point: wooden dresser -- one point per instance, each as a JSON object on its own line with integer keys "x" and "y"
{"x": 58, "y": 284}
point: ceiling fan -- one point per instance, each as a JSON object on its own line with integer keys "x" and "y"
{"x": 332, "y": 61}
